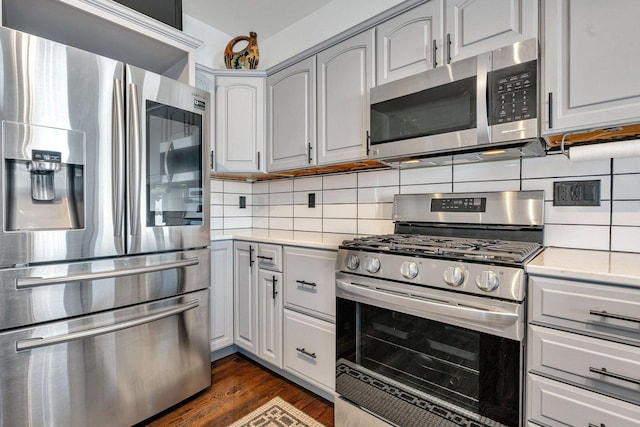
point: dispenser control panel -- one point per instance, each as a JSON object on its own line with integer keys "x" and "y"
{"x": 46, "y": 156}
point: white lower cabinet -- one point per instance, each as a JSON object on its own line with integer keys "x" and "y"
{"x": 270, "y": 317}
{"x": 221, "y": 294}
{"x": 583, "y": 353}
{"x": 310, "y": 349}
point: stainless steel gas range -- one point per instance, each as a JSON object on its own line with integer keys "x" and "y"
{"x": 431, "y": 320}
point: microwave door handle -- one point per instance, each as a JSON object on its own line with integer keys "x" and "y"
{"x": 482, "y": 99}
{"x": 118, "y": 158}
{"x": 135, "y": 161}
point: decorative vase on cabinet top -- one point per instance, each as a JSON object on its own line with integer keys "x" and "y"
{"x": 246, "y": 58}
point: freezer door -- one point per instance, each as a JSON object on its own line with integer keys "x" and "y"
{"x": 61, "y": 123}
{"x": 43, "y": 293}
{"x": 168, "y": 163}
{"x": 113, "y": 368}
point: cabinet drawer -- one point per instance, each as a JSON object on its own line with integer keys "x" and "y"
{"x": 575, "y": 358}
{"x": 607, "y": 311}
{"x": 270, "y": 257}
{"x": 310, "y": 349}
{"x": 310, "y": 281}
{"x": 557, "y": 404}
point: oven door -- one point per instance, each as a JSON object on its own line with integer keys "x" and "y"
{"x": 423, "y": 356}
{"x": 168, "y": 163}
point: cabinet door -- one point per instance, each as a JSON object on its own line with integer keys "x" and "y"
{"x": 476, "y": 26}
{"x": 245, "y": 296}
{"x": 291, "y": 123}
{"x": 270, "y": 316}
{"x": 240, "y": 135}
{"x": 345, "y": 76}
{"x": 410, "y": 43}
{"x": 590, "y": 64}
{"x": 221, "y": 294}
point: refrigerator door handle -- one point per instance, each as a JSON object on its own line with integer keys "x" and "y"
{"x": 135, "y": 160}
{"x": 118, "y": 158}
{"x": 34, "y": 282}
{"x": 32, "y": 343}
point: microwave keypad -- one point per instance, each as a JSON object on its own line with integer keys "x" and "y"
{"x": 513, "y": 94}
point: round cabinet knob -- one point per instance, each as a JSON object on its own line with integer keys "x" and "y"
{"x": 409, "y": 269}
{"x": 488, "y": 281}
{"x": 352, "y": 261}
{"x": 453, "y": 276}
{"x": 373, "y": 265}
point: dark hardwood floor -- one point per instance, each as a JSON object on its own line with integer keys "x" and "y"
{"x": 240, "y": 386}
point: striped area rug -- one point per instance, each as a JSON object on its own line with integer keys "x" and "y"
{"x": 276, "y": 413}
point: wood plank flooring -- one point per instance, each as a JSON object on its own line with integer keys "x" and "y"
{"x": 240, "y": 386}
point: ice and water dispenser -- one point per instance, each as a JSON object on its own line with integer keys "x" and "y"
{"x": 44, "y": 177}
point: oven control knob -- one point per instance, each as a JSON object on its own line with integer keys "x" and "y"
{"x": 487, "y": 281}
{"x": 409, "y": 269}
{"x": 373, "y": 265}
{"x": 352, "y": 261}
{"x": 453, "y": 276}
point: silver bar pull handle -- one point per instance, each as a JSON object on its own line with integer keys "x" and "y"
{"x": 118, "y": 169}
{"x": 135, "y": 163}
{"x": 305, "y": 283}
{"x": 434, "y": 51}
{"x": 614, "y": 316}
{"x": 306, "y": 353}
{"x": 34, "y": 282}
{"x": 604, "y": 372}
{"x": 32, "y": 343}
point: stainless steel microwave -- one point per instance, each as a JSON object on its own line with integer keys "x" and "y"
{"x": 485, "y": 107}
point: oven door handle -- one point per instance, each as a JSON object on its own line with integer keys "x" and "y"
{"x": 423, "y": 305}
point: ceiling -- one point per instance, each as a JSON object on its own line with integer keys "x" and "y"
{"x": 238, "y": 17}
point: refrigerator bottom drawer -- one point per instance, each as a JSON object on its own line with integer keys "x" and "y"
{"x": 113, "y": 368}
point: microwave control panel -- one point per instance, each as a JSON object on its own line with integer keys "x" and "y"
{"x": 513, "y": 93}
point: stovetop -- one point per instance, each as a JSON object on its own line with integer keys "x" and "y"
{"x": 479, "y": 250}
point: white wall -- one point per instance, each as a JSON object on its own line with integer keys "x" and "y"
{"x": 211, "y": 52}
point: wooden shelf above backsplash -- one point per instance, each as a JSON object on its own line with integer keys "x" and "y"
{"x": 321, "y": 170}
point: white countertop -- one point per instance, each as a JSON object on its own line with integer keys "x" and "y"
{"x": 283, "y": 237}
{"x": 597, "y": 266}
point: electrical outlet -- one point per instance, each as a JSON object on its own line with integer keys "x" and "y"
{"x": 312, "y": 200}
{"x": 242, "y": 202}
{"x": 576, "y": 193}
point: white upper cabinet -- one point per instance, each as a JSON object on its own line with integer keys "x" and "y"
{"x": 409, "y": 43}
{"x": 291, "y": 117}
{"x": 239, "y": 123}
{"x": 591, "y": 59}
{"x": 345, "y": 75}
{"x": 476, "y": 26}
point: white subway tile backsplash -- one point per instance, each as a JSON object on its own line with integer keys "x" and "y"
{"x": 281, "y": 210}
{"x": 217, "y": 224}
{"x": 375, "y": 210}
{"x": 332, "y": 182}
{"x": 302, "y": 197}
{"x": 281, "y": 186}
{"x": 238, "y": 187}
{"x": 280, "y": 199}
{"x": 433, "y": 175}
{"x": 235, "y": 211}
{"x": 427, "y": 188}
{"x": 577, "y": 236}
{"x": 307, "y": 224}
{"x": 261, "y": 187}
{"x": 585, "y": 215}
{"x": 217, "y": 198}
{"x": 340, "y": 211}
{"x": 378, "y": 178}
{"x": 303, "y": 211}
{"x": 260, "y": 199}
{"x": 216, "y": 210}
{"x": 261, "y": 211}
{"x": 281, "y": 223}
{"x": 342, "y": 226}
{"x": 377, "y": 195}
{"x": 490, "y": 171}
{"x": 233, "y": 199}
{"x": 558, "y": 165}
{"x": 237, "y": 222}
{"x": 260, "y": 222}
{"x": 375, "y": 226}
{"x": 349, "y": 195}
{"x": 546, "y": 184}
{"x": 625, "y": 239}
{"x": 626, "y": 187}
{"x": 216, "y": 185}
{"x": 466, "y": 187}
{"x": 308, "y": 184}
{"x": 626, "y": 165}
{"x": 626, "y": 213}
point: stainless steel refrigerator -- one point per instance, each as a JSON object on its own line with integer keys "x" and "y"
{"x": 104, "y": 259}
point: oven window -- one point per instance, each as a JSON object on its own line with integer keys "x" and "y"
{"x": 174, "y": 166}
{"x": 442, "y": 109}
{"x": 442, "y": 369}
